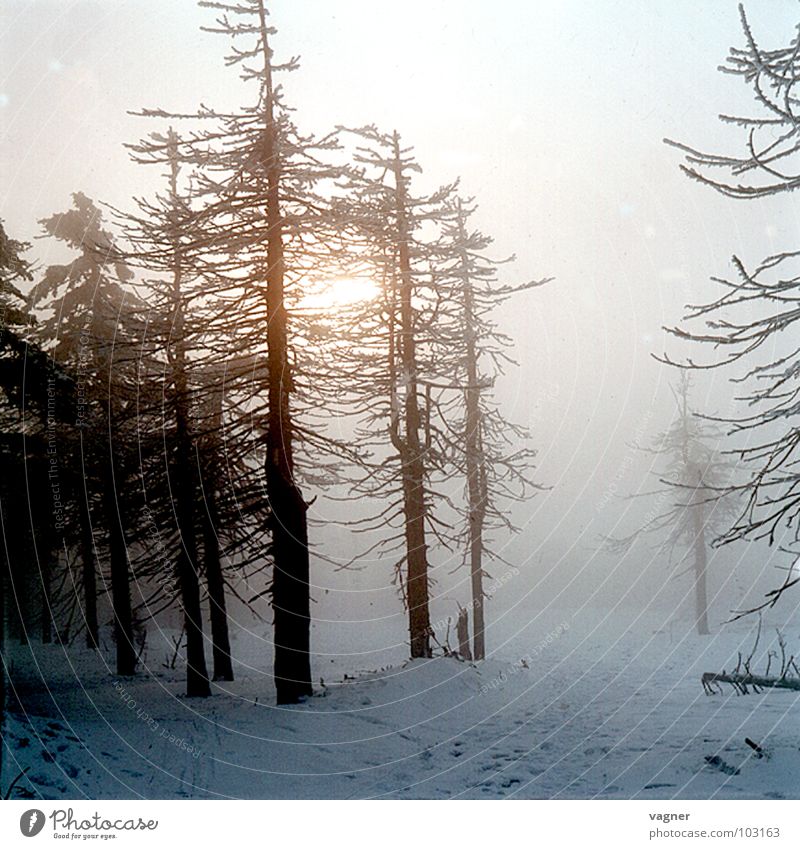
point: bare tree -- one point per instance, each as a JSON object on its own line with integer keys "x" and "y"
{"x": 391, "y": 231}
{"x": 491, "y": 451}
{"x": 196, "y": 361}
{"x": 756, "y": 312}
{"x": 157, "y": 236}
{"x": 262, "y": 225}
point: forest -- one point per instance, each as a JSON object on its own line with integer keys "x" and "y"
{"x": 298, "y": 373}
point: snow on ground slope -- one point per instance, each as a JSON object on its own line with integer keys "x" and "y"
{"x": 565, "y": 709}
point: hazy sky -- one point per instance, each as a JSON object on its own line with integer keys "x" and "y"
{"x": 553, "y": 114}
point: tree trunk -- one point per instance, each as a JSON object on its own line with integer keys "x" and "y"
{"x": 462, "y": 633}
{"x": 196, "y": 672}
{"x": 120, "y": 583}
{"x": 411, "y": 454}
{"x": 291, "y": 601}
{"x": 185, "y": 483}
{"x": 476, "y": 473}
{"x": 210, "y": 450}
{"x": 46, "y": 614}
{"x": 478, "y": 595}
{"x": 88, "y": 571}
{"x": 221, "y": 646}
{"x": 417, "y": 580}
{"x": 700, "y": 564}
{"x": 290, "y": 590}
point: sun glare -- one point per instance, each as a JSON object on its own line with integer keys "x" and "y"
{"x": 340, "y": 292}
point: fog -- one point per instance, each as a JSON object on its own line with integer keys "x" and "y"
{"x": 553, "y": 115}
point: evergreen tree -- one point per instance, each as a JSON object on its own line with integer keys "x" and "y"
{"x": 90, "y": 328}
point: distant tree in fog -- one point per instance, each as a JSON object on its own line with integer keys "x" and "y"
{"x": 15, "y": 269}
{"x": 691, "y": 507}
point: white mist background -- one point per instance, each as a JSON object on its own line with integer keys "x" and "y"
{"x": 553, "y": 114}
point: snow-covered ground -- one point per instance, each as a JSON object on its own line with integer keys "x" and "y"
{"x": 570, "y": 706}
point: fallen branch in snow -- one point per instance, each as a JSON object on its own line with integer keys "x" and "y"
{"x": 742, "y": 678}
{"x": 742, "y": 681}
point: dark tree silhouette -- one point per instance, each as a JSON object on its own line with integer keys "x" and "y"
{"x": 257, "y": 180}
{"x": 35, "y": 395}
{"x": 14, "y": 319}
{"x": 89, "y": 331}
{"x": 158, "y": 235}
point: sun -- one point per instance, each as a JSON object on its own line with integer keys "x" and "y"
{"x": 339, "y": 292}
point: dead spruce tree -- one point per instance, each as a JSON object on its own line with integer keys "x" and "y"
{"x": 199, "y": 366}
{"x": 157, "y": 236}
{"x": 490, "y": 451}
{"x": 692, "y": 504}
{"x": 258, "y": 180}
{"x": 391, "y": 232}
{"x": 756, "y": 313}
